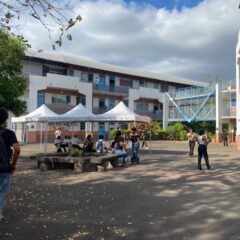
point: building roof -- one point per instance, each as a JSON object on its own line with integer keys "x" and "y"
{"x": 111, "y": 68}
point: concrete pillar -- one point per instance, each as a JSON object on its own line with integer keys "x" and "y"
{"x": 165, "y": 111}
{"x": 218, "y": 113}
{"x": 237, "y": 92}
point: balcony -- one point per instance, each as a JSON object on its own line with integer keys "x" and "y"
{"x": 154, "y": 115}
{"x": 229, "y": 112}
{"x": 111, "y": 89}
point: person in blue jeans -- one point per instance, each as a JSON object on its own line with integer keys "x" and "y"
{"x": 8, "y": 159}
{"x": 119, "y": 150}
{"x": 135, "y": 143}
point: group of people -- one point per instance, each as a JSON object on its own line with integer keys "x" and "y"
{"x": 72, "y": 142}
{"x": 120, "y": 143}
{"x": 203, "y": 142}
{"x": 118, "y": 146}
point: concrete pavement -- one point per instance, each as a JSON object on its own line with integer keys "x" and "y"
{"x": 164, "y": 198}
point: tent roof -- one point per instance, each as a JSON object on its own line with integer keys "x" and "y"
{"x": 121, "y": 113}
{"x": 79, "y": 113}
{"x": 40, "y": 114}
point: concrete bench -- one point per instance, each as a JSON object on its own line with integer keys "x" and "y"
{"x": 102, "y": 162}
{"x": 46, "y": 163}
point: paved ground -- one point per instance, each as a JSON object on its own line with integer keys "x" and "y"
{"x": 164, "y": 198}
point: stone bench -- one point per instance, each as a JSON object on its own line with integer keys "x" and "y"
{"x": 102, "y": 162}
{"x": 79, "y": 164}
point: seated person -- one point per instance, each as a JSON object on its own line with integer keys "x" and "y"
{"x": 119, "y": 150}
{"x": 101, "y": 145}
{"x": 75, "y": 142}
{"x": 59, "y": 145}
{"x": 88, "y": 144}
{"x": 116, "y": 138}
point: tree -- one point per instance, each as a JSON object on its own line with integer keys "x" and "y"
{"x": 12, "y": 83}
{"x": 50, "y": 13}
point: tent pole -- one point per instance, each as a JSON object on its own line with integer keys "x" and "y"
{"x": 45, "y": 138}
{"x": 150, "y": 149}
{"x": 41, "y": 136}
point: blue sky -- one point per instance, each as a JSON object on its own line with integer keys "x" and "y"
{"x": 169, "y": 4}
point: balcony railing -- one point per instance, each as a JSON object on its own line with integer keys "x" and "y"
{"x": 229, "y": 112}
{"x": 111, "y": 89}
{"x": 154, "y": 115}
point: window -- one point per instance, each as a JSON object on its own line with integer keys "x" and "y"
{"x": 81, "y": 99}
{"x": 59, "y": 99}
{"x": 86, "y": 77}
{"x": 156, "y": 85}
{"x": 141, "y": 83}
{"x": 40, "y": 98}
{"x": 233, "y": 103}
{"x": 164, "y": 88}
{"x": 125, "y": 82}
{"x": 70, "y": 72}
{"x": 82, "y": 126}
{"x": 68, "y": 100}
{"x": 142, "y": 106}
{"x": 101, "y": 103}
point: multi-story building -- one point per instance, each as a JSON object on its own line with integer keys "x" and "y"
{"x": 62, "y": 82}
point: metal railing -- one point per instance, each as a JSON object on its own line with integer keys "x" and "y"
{"x": 111, "y": 89}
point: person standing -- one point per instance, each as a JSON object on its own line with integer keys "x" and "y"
{"x": 202, "y": 149}
{"x": 9, "y": 153}
{"x": 191, "y": 141}
{"x": 58, "y": 134}
{"x": 134, "y": 138}
{"x": 225, "y": 139}
{"x": 144, "y": 139}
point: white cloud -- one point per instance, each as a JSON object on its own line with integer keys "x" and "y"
{"x": 192, "y": 43}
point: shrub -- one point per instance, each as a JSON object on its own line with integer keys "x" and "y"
{"x": 76, "y": 152}
{"x": 177, "y": 132}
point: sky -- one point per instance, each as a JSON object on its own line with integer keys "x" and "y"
{"x": 186, "y": 38}
{"x": 168, "y": 4}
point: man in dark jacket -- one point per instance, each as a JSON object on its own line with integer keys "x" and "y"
{"x": 9, "y": 154}
{"x": 225, "y": 139}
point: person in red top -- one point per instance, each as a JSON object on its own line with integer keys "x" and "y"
{"x": 9, "y": 153}
{"x": 191, "y": 140}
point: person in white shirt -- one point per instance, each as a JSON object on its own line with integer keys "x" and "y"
{"x": 202, "y": 149}
{"x": 191, "y": 140}
{"x": 58, "y": 133}
{"x": 76, "y": 142}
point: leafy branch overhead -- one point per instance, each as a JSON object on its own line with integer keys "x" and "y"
{"x": 51, "y": 14}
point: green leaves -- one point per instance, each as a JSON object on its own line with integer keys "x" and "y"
{"x": 12, "y": 84}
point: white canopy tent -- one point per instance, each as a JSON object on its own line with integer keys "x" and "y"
{"x": 121, "y": 113}
{"x": 41, "y": 114}
{"x": 77, "y": 114}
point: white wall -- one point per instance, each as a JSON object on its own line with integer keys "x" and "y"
{"x": 60, "y": 81}
{"x": 143, "y": 92}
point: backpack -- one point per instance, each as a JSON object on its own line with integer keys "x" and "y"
{"x": 100, "y": 146}
{"x": 4, "y": 159}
